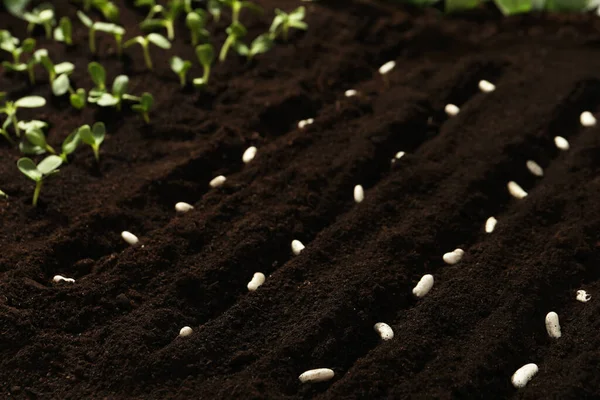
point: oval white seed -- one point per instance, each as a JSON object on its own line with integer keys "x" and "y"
{"x": 350, "y": 93}
{"x": 185, "y": 331}
{"x": 583, "y": 297}
{"x": 399, "y": 155}
{"x": 490, "y": 224}
{"x": 451, "y": 110}
{"x": 387, "y": 67}
{"x": 587, "y": 119}
{"x": 384, "y": 330}
{"x": 257, "y": 280}
{"x": 297, "y": 247}
{"x": 454, "y": 256}
{"x": 218, "y": 181}
{"x": 359, "y": 193}
{"x": 534, "y": 168}
{"x": 249, "y": 154}
{"x": 60, "y": 278}
{"x": 553, "y": 325}
{"x": 182, "y": 207}
{"x": 316, "y": 375}
{"x": 424, "y": 286}
{"x": 486, "y": 86}
{"x": 305, "y": 122}
{"x": 561, "y": 143}
{"x": 523, "y": 375}
{"x": 515, "y": 190}
{"x": 130, "y": 238}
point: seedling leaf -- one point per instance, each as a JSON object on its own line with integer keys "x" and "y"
{"x": 205, "y": 54}
{"x": 64, "y": 68}
{"x": 78, "y": 99}
{"x": 98, "y": 132}
{"x": 159, "y": 40}
{"x": 36, "y": 137}
{"x": 31, "y": 102}
{"x": 61, "y": 85}
{"x": 29, "y": 169}
{"x": 71, "y": 143}
{"x": 120, "y": 85}
{"x": 98, "y": 74}
{"x": 49, "y": 164}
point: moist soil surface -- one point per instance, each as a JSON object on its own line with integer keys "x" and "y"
{"x": 114, "y": 332}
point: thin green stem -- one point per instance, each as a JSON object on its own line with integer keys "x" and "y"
{"x": 147, "y": 58}
{"x": 206, "y": 73}
{"x": 48, "y": 29}
{"x": 15, "y": 123}
{"x": 235, "y": 12}
{"x": 170, "y": 29}
{"x": 225, "y": 48}
{"x": 118, "y": 40}
{"x": 50, "y": 149}
{"x": 146, "y": 117}
{"x": 31, "y": 73}
{"x": 36, "y": 192}
{"x": 182, "y": 80}
{"x": 96, "y": 150}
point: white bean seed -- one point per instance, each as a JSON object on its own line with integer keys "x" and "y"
{"x": 384, "y": 330}
{"x": 218, "y": 181}
{"x": 534, "y": 168}
{"x": 316, "y": 375}
{"x": 451, "y": 110}
{"x": 387, "y": 67}
{"x": 486, "y": 86}
{"x": 249, "y": 154}
{"x": 350, "y": 93}
{"x": 305, "y": 122}
{"x": 523, "y": 375}
{"x": 297, "y": 247}
{"x": 399, "y": 155}
{"x": 182, "y": 207}
{"x": 60, "y": 278}
{"x": 587, "y": 119}
{"x": 515, "y": 190}
{"x": 359, "y": 193}
{"x": 257, "y": 280}
{"x": 490, "y": 224}
{"x": 553, "y": 325}
{"x": 561, "y": 143}
{"x": 454, "y": 256}
{"x": 583, "y": 297}
{"x": 424, "y": 286}
{"x": 130, "y": 238}
{"x": 185, "y": 331}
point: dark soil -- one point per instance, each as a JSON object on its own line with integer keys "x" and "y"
{"x": 114, "y": 332}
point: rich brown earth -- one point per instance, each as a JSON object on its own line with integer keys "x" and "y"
{"x": 114, "y": 332}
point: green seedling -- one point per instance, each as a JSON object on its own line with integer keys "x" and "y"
{"x": 64, "y": 31}
{"x": 37, "y": 173}
{"x": 237, "y": 6}
{"x": 196, "y": 22}
{"x": 61, "y": 85}
{"x": 77, "y": 98}
{"x": 107, "y": 27}
{"x": 2, "y": 194}
{"x": 98, "y": 75}
{"x": 63, "y": 68}
{"x": 10, "y": 44}
{"x": 42, "y": 16}
{"x": 108, "y": 9}
{"x": 284, "y": 21}
{"x": 70, "y": 144}
{"x": 235, "y": 32}
{"x": 180, "y": 67}
{"x": 33, "y": 61}
{"x": 154, "y": 38}
{"x": 4, "y": 131}
{"x": 215, "y": 8}
{"x": 93, "y": 137}
{"x": 37, "y": 138}
{"x": 260, "y": 45}
{"x": 10, "y": 108}
{"x": 27, "y": 146}
{"x": 144, "y": 106}
{"x": 206, "y": 56}
{"x": 168, "y": 17}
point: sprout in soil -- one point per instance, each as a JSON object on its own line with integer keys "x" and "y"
{"x": 206, "y": 56}
{"x": 196, "y": 21}
{"x": 93, "y": 137}
{"x": 214, "y": 7}
{"x": 4, "y": 131}
{"x": 98, "y": 75}
{"x": 284, "y": 21}
{"x": 143, "y": 107}
{"x": 107, "y": 8}
{"x": 33, "y": 61}
{"x": 260, "y": 45}
{"x": 77, "y": 98}
{"x": 70, "y": 144}
{"x": 180, "y": 67}
{"x": 237, "y": 6}
{"x": 63, "y": 33}
{"x": 64, "y": 68}
{"x": 48, "y": 166}
{"x": 154, "y": 38}
{"x": 169, "y": 16}
{"x": 10, "y": 108}
{"x": 43, "y": 16}
{"x": 107, "y": 27}
{"x": 10, "y": 44}
{"x": 37, "y": 138}
{"x": 2, "y": 194}
{"x": 26, "y": 146}
{"x": 235, "y": 32}
{"x": 99, "y": 95}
